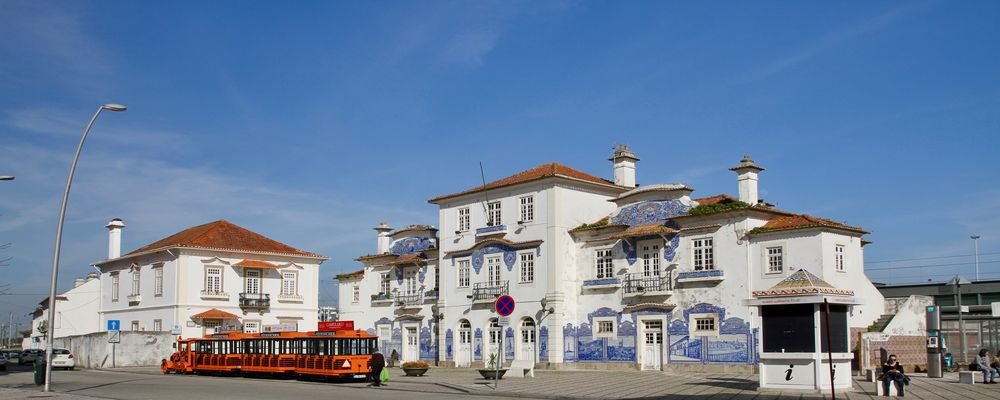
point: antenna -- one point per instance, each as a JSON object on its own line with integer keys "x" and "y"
{"x": 486, "y": 193}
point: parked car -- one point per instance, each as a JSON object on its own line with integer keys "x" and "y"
{"x": 62, "y": 358}
{"x": 30, "y": 355}
{"x": 3, "y": 362}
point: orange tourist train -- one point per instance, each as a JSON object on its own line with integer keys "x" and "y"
{"x": 333, "y": 353}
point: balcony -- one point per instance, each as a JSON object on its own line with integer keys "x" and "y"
{"x": 639, "y": 284}
{"x": 214, "y": 295}
{"x": 382, "y": 298}
{"x": 258, "y": 301}
{"x": 431, "y": 294}
{"x": 602, "y": 283}
{"x": 707, "y": 275}
{"x": 492, "y": 230}
{"x": 487, "y": 292}
{"x": 410, "y": 300}
{"x": 134, "y": 298}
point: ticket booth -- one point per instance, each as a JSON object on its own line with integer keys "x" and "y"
{"x": 796, "y": 334}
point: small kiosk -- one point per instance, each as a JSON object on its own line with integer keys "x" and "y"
{"x": 800, "y": 338}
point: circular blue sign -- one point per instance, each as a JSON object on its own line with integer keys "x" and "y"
{"x": 505, "y": 305}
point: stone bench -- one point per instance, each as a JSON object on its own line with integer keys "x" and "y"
{"x": 879, "y": 389}
{"x": 968, "y": 377}
{"x": 520, "y": 369}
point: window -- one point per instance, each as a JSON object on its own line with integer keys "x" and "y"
{"x": 464, "y": 221}
{"x": 213, "y": 280}
{"x": 704, "y": 259}
{"x": 251, "y": 281}
{"x": 158, "y": 281}
{"x": 114, "y": 286}
{"x": 527, "y": 208}
{"x": 493, "y": 216}
{"x": 386, "y": 279}
{"x": 527, "y": 267}
{"x": 775, "y": 264}
{"x": 463, "y": 273}
{"x": 704, "y": 324}
{"x": 410, "y": 283}
{"x": 135, "y": 280}
{"x": 493, "y": 268}
{"x": 651, "y": 260}
{"x": 357, "y": 294}
{"x": 135, "y": 325}
{"x": 157, "y": 325}
{"x": 604, "y": 264}
{"x": 838, "y": 257}
{"x": 289, "y": 283}
{"x": 251, "y": 326}
{"x": 605, "y": 327}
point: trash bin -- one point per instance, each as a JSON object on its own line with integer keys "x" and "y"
{"x": 949, "y": 361}
{"x": 40, "y": 371}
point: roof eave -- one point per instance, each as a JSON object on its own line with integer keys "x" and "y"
{"x": 610, "y": 186}
{"x": 157, "y": 250}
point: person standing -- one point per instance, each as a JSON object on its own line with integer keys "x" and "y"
{"x": 892, "y": 371}
{"x": 989, "y": 374}
{"x": 375, "y": 365}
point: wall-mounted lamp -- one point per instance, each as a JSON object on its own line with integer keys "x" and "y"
{"x": 458, "y": 232}
{"x": 549, "y": 310}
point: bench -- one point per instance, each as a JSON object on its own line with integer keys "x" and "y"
{"x": 893, "y": 391}
{"x": 520, "y": 369}
{"x": 968, "y": 377}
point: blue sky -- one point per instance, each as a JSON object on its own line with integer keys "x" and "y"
{"x": 311, "y": 123}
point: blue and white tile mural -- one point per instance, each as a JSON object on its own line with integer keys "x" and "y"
{"x": 410, "y": 245}
{"x": 543, "y": 343}
{"x": 477, "y": 342}
{"x": 509, "y": 256}
{"x": 508, "y": 344}
{"x": 449, "y": 343}
{"x": 647, "y": 212}
{"x": 428, "y": 349}
{"x": 734, "y": 345}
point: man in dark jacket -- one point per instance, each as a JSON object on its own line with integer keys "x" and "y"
{"x": 375, "y": 365}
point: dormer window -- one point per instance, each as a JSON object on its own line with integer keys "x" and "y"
{"x": 493, "y": 216}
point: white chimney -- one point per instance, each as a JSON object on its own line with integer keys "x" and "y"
{"x": 624, "y": 160}
{"x": 747, "y": 177}
{"x": 91, "y": 276}
{"x": 115, "y": 238}
{"x": 382, "y": 245}
{"x": 78, "y": 281}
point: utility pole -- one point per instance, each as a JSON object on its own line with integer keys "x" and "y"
{"x": 975, "y": 238}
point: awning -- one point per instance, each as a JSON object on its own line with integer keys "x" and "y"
{"x": 215, "y": 313}
{"x": 255, "y": 264}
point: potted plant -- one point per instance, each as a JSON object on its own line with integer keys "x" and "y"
{"x": 491, "y": 371}
{"x": 415, "y": 368}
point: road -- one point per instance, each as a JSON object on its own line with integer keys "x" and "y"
{"x": 148, "y": 386}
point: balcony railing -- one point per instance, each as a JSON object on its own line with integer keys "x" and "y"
{"x": 489, "y": 291}
{"x": 640, "y": 284}
{"x": 409, "y": 300}
{"x": 212, "y": 294}
{"x": 255, "y": 300}
{"x": 134, "y": 298}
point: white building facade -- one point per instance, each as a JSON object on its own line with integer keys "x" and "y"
{"x": 76, "y": 313}
{"x": 606, "y": 274}
{"x": 217, "y": 274}
{"x": 395, "y": 295}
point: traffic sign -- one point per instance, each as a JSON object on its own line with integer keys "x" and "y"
{"x": 114, "y": 325}
{"x": 503, "y": 321}
{"x": 114, "y": 336}
{"x": 505, "y": 305}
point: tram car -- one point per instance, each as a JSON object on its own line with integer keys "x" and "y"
{"x": 325, "y": 353}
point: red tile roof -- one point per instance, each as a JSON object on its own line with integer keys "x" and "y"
{"x": 719, "y": 198}
{"x": 215, "y": 313}
{"x": 255, "y": 264}
{"x": 223, "y": 235}
{"x": 803, "y": 221}
{"x": 350, "y": 275}
{"x": 533, "y": 174}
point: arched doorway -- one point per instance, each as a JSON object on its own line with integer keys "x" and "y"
{"x": 528, "y": 337}
{"x": 493, "y": 348}
{"x": 464, "y": 356}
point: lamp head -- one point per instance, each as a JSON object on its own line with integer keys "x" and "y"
{"x": 114, "y": 107}
{"x": 974, "y": 237}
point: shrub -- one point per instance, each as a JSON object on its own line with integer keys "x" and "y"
{"x": 717, "y": 208}
{"x": 415, "y": 364}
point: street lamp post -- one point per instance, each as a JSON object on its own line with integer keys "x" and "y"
{"x": 50, "y": 334}
{"x": 958, "y": 281}
{"x": 975, "y": 238}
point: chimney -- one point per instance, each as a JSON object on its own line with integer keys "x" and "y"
{"x": 78, "y": 281}
{"x": 382, "y": 245}
{"x": 91, "y": 276}
{"x": 624, "y": 160}
{"x": 115, "y": 238}
{"x": 747, "y": 177}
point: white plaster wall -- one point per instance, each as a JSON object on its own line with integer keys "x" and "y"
{"x": 136, "y": 349}
{"x": 77, "y": 315}
{"x": 911, "y": 317}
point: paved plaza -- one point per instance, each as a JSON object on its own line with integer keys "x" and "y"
{"x": 447, "y": 382}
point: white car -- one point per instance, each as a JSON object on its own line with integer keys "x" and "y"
{"x": 62, "y": 358}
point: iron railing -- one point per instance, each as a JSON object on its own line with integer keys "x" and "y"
{"x": 489, "y": 290}
{"x": 255, "y": 300}
{"x": 640, "y": 283}
{"x": 412, "y": 299}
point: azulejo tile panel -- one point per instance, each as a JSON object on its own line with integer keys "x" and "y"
{"x": 543, "y": 343}
{"x": 449, "y": 343}
{"x": 647, "y": 212}
{"x": 410, "y": 245}
{"x": 711, "y": 273}
{"x": 509, "y": 256}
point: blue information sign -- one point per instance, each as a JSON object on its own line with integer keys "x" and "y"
{"x": 114, "y": 325}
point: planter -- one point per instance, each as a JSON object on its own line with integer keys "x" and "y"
{"x": 415, "y": 371}
{"x": 492, "y": 374}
